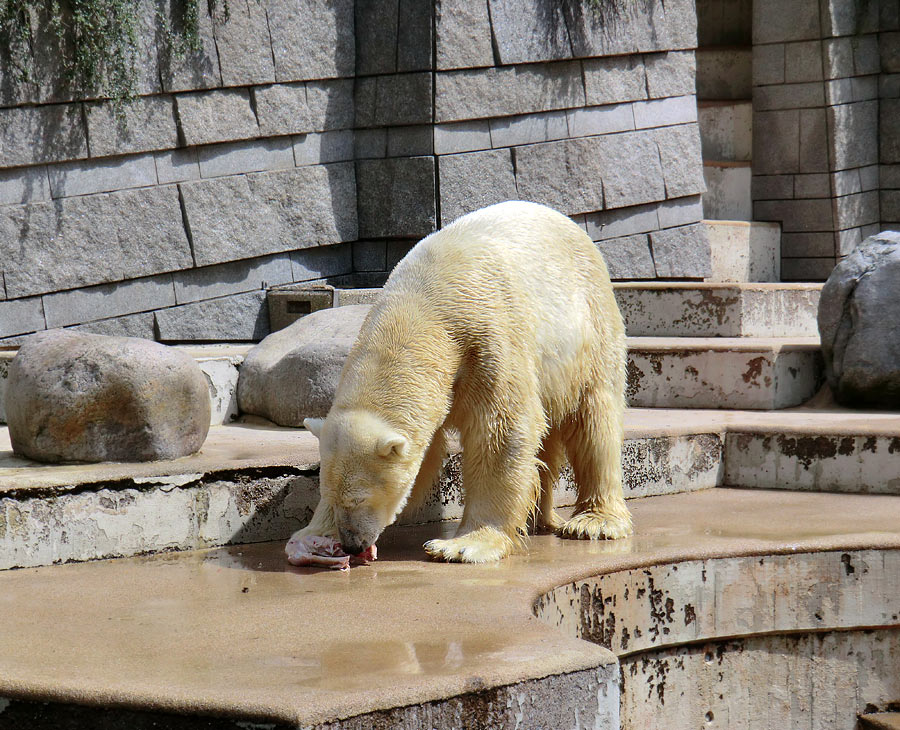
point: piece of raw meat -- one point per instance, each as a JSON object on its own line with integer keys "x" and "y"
{"x": 325, "y": 552}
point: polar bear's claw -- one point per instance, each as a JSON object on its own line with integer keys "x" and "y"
{"x": 596, "y": 526}
{"x": 481, "y": 546}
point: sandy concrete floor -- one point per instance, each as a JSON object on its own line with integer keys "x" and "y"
{"x": 238, "y": 631}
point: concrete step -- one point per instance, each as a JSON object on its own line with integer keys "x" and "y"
{"x": 726, "y": 130}
{"x": 255, "y": 481}
{"x": 689, "y": 309}
{"x": 744, "y": 250}
{"x": 237, "y": 638}
{"x": 724, "y": 72}
{"x": 739, "y": 373}
{"x": 727, "y": 195}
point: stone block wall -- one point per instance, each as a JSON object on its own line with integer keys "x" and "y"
{"x": 314, "y": 139}
{"x": 818, "y": 78}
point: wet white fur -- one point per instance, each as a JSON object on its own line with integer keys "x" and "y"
{"x": 504, "y": 326}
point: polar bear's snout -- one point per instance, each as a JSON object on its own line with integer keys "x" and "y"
{"x": 357, "y": 529}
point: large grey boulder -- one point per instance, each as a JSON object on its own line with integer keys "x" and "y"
{"x": 85, "y": 397}
{"x": 293, "y": 373}
{"x": 859, "y": 323}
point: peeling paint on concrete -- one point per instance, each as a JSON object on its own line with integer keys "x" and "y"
{"x": 660, "y": 375}
{"x": 820, "y": 462}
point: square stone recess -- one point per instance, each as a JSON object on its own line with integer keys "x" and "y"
{"x": 287, "y": 304}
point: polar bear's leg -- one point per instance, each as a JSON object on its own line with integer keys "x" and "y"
{"x": 595, "y": 452}
{"x": 322, "y": 523}
{"x": 551, "y": 458}
{"x": 501, "y": 484}
{"x": 428, "y": 472}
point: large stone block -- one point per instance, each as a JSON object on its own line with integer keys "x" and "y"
{"x": 181, "y": 69}
{"x": 529, "y": 31}
{"x": 18, "y": 316}
{"x": 322, "y": 261}
{"x": 92, "y": 239}
{"x": 622, "y": 222}
{"x": 251, "y": 156}
{"x": 312, "y": 39}
{"x": 803, "y": 61}
{"x": 664, "y": 112}
{"x": 681, "y": 159}
{"x": 234, "y": 277}
{"x": 671, "y": 74}
{"x": 293, "y": 373}
{"x": 796, "y": 216}
{"x": 148, "y": 125}
{"x": 546, "y": 126}
{"x": 238, "y": 318}
{"x": 618, "y": 28}
{"x": 395, "y": 99}
{"x": 101, "y": 176}
{"x": 216, "y": 116}
{"x": 84, "y": 397}
{"x": 594, "y": 120}
{"x": 506, "y": 91}
{"x": 25, "y": 185}
{"x": 565, "y": 175}
{"x": 396, "y": 197}
{"x": 376, "y": 36}
{"x": 177, "y": 166}
{"x": 859, "y": 324}
{"x": 768, "y": 64}
{"x": 473, "y": 180}
{"x": 29, "y": 135}
{"x": 239, "y": 217}
{"x": 330, "y": 104}
{"x": 681, "y": 252}
{"x": 462, "y": 137}
{"x": 282, "y": 109}
{"x": 320, "y": 149}
{"x": 616, "y": 79}
{"x": 628, "y": 257}
{"x": 243, "y": 44}
{"x": 77, "y": 306}
{"x": 415, "y": 36}
{"x": 131, "y": 325}
{"x": 462, "y": 34}
{"x": 854, "y": 133}
{"x": 776, "y": 142}
{"x": 889, "y": 131}
{"x": 776, "y": 22}
{"x": 813, "y": 154}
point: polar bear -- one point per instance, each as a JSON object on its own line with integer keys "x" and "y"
{"x": 503, "y": 326}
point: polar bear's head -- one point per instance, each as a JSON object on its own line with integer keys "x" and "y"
{"x": 367, "y": 471}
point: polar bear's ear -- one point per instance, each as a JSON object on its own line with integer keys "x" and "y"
{"x": 392, "y": 444}
{"x": 314, "y": 426}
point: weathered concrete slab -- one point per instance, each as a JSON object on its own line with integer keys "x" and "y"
{"x": 747, "y": 373}
{"x": 742, "y": 251}
{"x": 686, "y": 309}
{"x": 149, "y": 618}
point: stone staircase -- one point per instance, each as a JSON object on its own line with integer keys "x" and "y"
{"x": 722, "y": 436}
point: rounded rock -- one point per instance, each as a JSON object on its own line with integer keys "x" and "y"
{"x": 859, "y": 325}
{"x": 84, "y": 397}
{"x": 293, "y": 373}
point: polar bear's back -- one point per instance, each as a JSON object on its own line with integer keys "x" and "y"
{"x": 523, "y": 280}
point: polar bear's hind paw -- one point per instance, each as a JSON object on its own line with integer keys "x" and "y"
{"x": 596, "y": 526}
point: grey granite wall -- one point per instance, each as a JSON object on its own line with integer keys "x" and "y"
{"x": 818, "y": 73}
{"x": 320, "y": 138}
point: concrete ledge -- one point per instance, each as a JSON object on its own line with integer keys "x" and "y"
{"x": 237, "y": 633}
{"x": 724, "y": 372}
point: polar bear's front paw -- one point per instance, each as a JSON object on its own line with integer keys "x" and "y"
{"x": 484, "y": 545}
{"x": 597, "y": 525}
